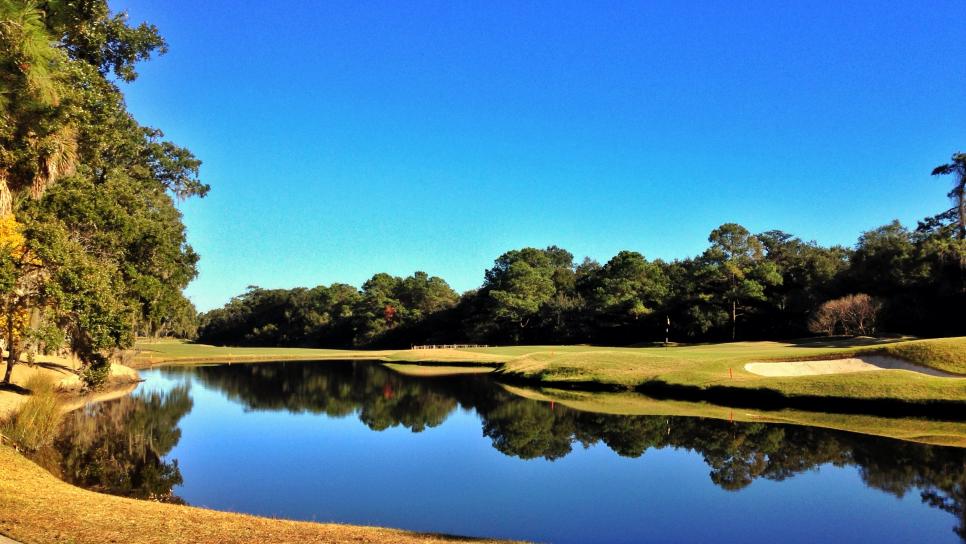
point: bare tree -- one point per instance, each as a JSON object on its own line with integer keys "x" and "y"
{"x": 850, "y": 315}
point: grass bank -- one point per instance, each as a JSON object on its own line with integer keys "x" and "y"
{"x": 62, "y": 375}
{"x": 37, "y": 507}
{"x": 926, "y": 431}
{"x": 701, "y": 369}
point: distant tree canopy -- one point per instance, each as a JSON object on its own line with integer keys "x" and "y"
{"x": 96, "y": 250}
{"x": 744, "y": 286}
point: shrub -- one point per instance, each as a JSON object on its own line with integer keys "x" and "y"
{"x": 95, "y": 374}
{"x": 850, "y": 315}
{"x": 35, "y": 424}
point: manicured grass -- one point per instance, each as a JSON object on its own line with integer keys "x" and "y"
{"x": 947, "y": 354}
{"x": 700, "y": 366}
{"x": 37, "y": 507}
{"x": 722, "y": 365}
{"x": 152, "y": 352}
{"x": 429, "y": 371}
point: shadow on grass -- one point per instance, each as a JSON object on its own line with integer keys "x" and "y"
{"x": 842, "y": 342}
{"x": 14, "y": 388}
{"x": 769, "y": 400}
{"x": 57, "y": 367}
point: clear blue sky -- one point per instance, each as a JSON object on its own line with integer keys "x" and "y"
{"x": 347, "y": 138}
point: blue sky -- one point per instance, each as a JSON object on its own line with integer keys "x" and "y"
{"x": 347, "y": 138}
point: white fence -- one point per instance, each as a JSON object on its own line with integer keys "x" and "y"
{"x": 451, "y": 346}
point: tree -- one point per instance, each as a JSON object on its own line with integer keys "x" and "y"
{"x": 957, "y": 168}
{"x": 21, "y": 276}
{"x": 520, "y": 282}
{"x": 851, "y": 314}
{"x": 37, "y": 137}
{"x": 627, "y": 289}
{"x": 736, "y": 263}
{"x": 810, "y": 274}
{"x": 91, "y": 190}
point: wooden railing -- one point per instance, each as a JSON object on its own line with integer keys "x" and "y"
{"x": 451, "y": 346}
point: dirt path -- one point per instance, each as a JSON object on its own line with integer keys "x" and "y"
{"x": 862, "y": 363}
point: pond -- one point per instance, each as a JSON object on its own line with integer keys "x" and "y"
{"x": 355, "y": 442}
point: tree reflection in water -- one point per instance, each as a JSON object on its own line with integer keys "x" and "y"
{"x": 118, "y": 447}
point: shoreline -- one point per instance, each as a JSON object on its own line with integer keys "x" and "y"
{"x": 527, "y": 367}
{"x": 707, "y": 372}
{"x": 36, "y": 506}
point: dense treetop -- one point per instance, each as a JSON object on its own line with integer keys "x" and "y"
{"x": 90, "y": 190}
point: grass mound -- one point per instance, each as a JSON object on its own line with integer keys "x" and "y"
{"x": 948, "y": 354}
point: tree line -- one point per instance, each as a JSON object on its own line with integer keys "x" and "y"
{"x": 744, "y": 286}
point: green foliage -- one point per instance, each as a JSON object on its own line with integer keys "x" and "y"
{"x": 334, "y": 316}
{"x": 96, "y": 372}
{"x": 521, "y": 288}
{"x": 92, "y": 34}
{"x": 956, "y": 168}
{"x": 628, "y": 286}
{"x": 736, "y": 269}
{"x": 108, "y": 252}
{"x": 771, "y": 284}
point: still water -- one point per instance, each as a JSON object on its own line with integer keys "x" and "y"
{"x": 358, "y": 443}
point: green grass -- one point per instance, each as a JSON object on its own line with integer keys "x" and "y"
{"x": 699, "y": 366}
{"x": 946, "y": 433}
{"x": 152, "y": 352}
{"x": 947, "y": 354}
{"x": 722, "y": 365}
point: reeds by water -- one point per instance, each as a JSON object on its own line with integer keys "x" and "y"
{"x": 35, "y": 424}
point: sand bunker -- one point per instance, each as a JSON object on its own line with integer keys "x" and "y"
{"x": 864, "y": 363}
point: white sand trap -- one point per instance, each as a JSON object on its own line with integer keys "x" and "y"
{"x": 864, "y": 363}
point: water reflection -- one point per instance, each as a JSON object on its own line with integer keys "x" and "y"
{"x": 119, "y": 446}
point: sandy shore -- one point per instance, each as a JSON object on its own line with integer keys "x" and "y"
{"x": 864, "y": 363}
{"x": 61, "y": 371}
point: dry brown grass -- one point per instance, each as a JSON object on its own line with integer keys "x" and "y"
{"x": 37, "y": 507}
{"x": 35, "y": 423}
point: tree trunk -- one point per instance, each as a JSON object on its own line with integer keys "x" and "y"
{"x": 961, "y": 204}
{"x": 6, "y": 198}
{"x": 12, "y": 354}
{"x": 10, "y": 363}
{"x": 734, "y": 318}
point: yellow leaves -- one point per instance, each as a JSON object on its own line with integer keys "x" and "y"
{"x": 11, "y": 234}
{"x": 12, "y": 240}
{"x": 21, "y": 321}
